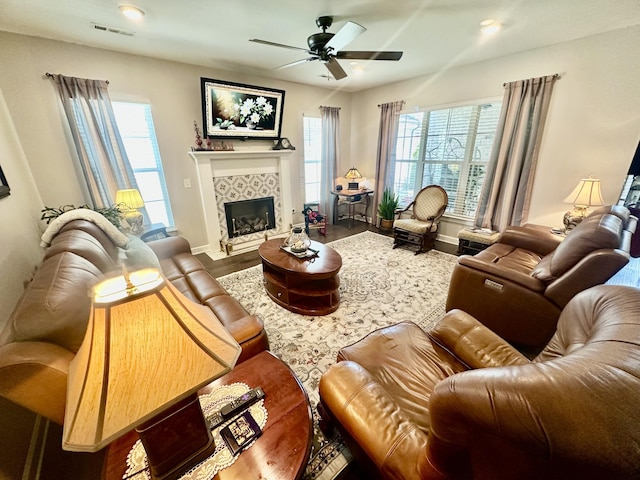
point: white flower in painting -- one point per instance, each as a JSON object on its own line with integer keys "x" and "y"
{"x": 253, "y": 109}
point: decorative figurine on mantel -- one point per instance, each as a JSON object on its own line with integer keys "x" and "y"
{"x": 198, "y": 137}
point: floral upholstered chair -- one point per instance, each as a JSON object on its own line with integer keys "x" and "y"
{"x": 421, "y": 227}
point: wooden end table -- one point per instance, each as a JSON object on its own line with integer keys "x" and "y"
{"x": 283, "y": 449}
{"x": 305, "y": 286}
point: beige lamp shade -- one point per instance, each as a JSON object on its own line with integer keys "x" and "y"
{"x": 352, "y": 174}
{"x": 146, "y": 348}
{"x": 130, "y": 198}
{"x": 586, "y": 194}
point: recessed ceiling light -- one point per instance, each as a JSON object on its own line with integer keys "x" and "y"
{"x": 357, "y": 71}
{"x": 131, "y": 12}
{"x": 490, "y": 26}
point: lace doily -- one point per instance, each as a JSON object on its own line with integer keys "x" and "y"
{"x": 137, "y": 466}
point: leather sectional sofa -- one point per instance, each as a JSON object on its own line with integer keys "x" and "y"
{"x": 48, "y": 324}
{"x": 519, "y": 285}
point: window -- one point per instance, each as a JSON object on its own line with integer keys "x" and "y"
{"x": 312, "y": 158}
{"x": 449, "y": 147}
{"x": 138, "y": 135}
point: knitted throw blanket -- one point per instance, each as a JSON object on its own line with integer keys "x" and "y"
{"x": 119, "y": 238}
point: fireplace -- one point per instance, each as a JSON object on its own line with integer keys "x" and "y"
{"x": 250, "y": 216}
{"x": 248, "y": 173}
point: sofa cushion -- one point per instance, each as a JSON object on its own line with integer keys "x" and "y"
{"x": 594, "y": 233}
{"x": 85, "y": 245}
{"x": 56, "y": 305}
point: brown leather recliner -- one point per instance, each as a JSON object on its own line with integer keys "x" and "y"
{"x": 518, "y": 286}
{"x": 461, "y": 403}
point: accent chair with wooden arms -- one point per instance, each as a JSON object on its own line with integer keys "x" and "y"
{"x": 421, "y": 228}
{"x": 518, "y": 286}
{"x": 461, "y": 403}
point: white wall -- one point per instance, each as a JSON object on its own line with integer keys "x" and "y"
{"x": 593, "y": 125}
{"x": 20, "y": 229}
{"x": 172, "y": 88}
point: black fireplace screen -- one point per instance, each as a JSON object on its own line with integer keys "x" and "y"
{"x": 250, "y": 216}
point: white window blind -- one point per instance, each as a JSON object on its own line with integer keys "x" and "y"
{"x": 312, "y": 158}
{"x": 138, "y": 135}
{"x": 449, "y": 147}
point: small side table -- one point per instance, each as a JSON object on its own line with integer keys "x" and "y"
{"x": 152, "y": 232}
{"x": 473, "y": 240}
{"x": 284, "y": 448}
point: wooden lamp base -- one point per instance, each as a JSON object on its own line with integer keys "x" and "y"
{"x": 177, "y": 439}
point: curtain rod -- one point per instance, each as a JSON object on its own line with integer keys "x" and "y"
{"x": 50, "y": 75}
{"x": 324, "y": 106}
{"x": 403, "y": 102}
{"x": 555, "y": 76}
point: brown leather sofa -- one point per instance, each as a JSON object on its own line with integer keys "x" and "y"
{"x": 461, "y": 403}
{"x": 48, "y": 323}
{"x": 518, "y": 286}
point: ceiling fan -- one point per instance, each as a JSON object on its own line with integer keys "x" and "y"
{"x": 326, "y": 47}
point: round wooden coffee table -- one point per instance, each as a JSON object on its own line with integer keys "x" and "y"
{"x": 306, "y": 286}
{"x": 283, "y": 449}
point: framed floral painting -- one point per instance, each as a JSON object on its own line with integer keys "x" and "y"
{"x": 4, "y": 186}
{"x": 235, "y": 110}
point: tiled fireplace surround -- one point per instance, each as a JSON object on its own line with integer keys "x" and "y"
{"x": 230, "y": 176}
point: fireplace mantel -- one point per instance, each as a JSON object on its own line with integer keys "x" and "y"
{"x": 235, "y": 154}
{"x": 212, "y": 164}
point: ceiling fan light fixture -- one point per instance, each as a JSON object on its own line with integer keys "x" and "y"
{"x": 131, "y": 12}
{"x": 327, "y": 48}
{"x": 490, "y": 26}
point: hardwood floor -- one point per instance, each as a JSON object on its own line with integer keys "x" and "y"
{"x": 235, "y": 263}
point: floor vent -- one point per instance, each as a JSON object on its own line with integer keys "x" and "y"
{"x": 104, "y": 28}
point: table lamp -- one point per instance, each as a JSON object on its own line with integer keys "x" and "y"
{"x": 146, "y": 353}
{"x": 351, "y": 175}
{"x": 586, "y": 194}
{"x": 130, "y": 200}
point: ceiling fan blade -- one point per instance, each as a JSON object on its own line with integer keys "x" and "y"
{"x": 345, "y": 35}
{"x": 336, "y": 70}
{"x": 273, "y": 44}
{"x": 297, "y": 62}
{"x": 365, "y": 55}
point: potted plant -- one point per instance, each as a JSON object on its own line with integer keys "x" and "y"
{"x": 112, "y": 213}
{"x": 387, "y": 209}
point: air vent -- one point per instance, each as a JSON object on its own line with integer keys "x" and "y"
{"x": 104, "y": 28}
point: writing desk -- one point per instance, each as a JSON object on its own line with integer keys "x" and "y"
{"x": 351, "y": 198}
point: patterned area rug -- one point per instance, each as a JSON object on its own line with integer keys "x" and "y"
{"x": 379, "y": 286}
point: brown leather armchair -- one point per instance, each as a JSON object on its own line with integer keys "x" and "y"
{"x": 460, "y": 403}
{"x": 518, "y": 286}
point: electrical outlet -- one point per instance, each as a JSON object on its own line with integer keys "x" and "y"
{"x": 187, "y": 183}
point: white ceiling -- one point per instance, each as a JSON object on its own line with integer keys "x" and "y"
{"x": 433, "y": 34}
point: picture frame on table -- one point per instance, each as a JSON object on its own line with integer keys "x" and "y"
{"x": 236, "y": 110}
{"x": 4, "y": 186}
